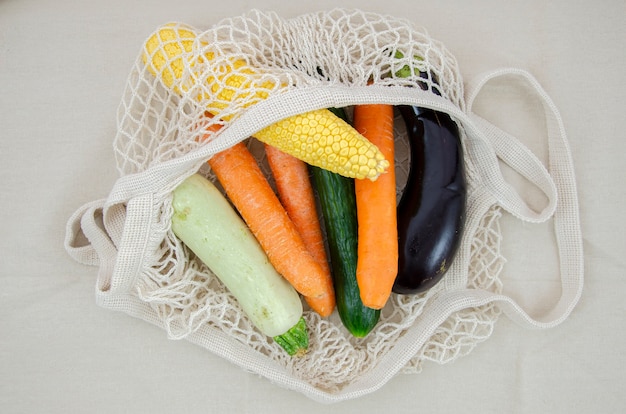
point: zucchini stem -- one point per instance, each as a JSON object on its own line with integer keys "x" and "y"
{"x": 296, "y": 340}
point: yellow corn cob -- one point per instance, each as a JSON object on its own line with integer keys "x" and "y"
{"x": 318, "y": 137}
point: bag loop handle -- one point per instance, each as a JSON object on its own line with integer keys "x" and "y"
{"x": 561, "y": 178}
{"x": 515, "y": 154}
{"x": 100, "y": 250}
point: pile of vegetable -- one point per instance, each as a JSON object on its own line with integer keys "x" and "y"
{"x": 272, "y": 248}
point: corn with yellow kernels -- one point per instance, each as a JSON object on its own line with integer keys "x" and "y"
{"x": 318, "y": 137}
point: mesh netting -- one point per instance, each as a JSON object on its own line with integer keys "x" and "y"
{"x": 184, "y": 74}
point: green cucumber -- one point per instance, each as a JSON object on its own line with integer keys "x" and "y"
{"x": 338, "y": 208}
{"x": 207, "y": 224}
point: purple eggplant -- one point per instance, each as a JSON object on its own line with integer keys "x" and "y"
{"x": 431, "y": 211}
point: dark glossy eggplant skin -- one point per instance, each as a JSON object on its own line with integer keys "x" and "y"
{"x": 431, "y": 211}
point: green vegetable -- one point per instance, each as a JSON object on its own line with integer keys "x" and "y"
{"x": 338, "y": 207}
{"x": 205, "y": 221}
{"x": 295, "y": 340}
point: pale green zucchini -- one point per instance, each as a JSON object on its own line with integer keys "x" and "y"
{"x": 206, "y": 223}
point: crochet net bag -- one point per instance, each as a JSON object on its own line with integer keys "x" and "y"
{"x": 308, "y": 62}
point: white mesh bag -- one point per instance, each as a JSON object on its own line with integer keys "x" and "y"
{"x": 315, "y": 61}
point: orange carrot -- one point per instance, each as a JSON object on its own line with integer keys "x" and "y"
{"x": 377, "y": 262}
{"x": 249, "y": 191}
{"x": 296, "y": 195}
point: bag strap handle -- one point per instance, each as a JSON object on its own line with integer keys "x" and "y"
{"x": 97, "y": 231}
{"x": 515, "y": 154}
{"x": 558, "y": 177}
{"x": 97, "y": 248}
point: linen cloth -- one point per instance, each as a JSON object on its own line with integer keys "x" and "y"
{"x": 48, "y": 296}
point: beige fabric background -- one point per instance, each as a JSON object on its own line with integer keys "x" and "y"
{"x": 63, "y": 66}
